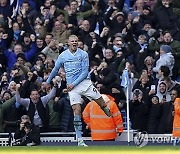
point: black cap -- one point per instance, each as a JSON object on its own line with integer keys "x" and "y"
{"x": 147, "y": 7}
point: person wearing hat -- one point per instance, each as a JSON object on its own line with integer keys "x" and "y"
{"x": 175, "y": 45}
{"x": 166, "y": 59}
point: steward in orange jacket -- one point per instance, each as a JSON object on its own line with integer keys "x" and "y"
{"x": 176, "y": 123}
{"x": 103, "y": 127}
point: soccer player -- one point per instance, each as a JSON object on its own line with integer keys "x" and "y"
{"x": 76, "y": 65}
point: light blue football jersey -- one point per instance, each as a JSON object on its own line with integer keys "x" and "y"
{"x": 76, "y": 66}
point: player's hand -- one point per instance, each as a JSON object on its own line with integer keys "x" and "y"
{"x": 70, "y": 87}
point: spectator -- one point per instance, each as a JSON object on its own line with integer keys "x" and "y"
{"x": 166, "y": 19}
{"x": 109, "y": 57}
{"x": 4, "y": 107}
{"x": 154, "y": 116}
{"x": 54, "y": 120}
{"x": 140, "y": 52}
{"x": 36, "y": 106}
{"x": 6, "y": 9}
{"x": 38, "y": 66}
{"x": 170, "y": 83}
{"x": 11, "y": 56}
{"x": 60, "y": 32}
{"x": 117, "y": 23}
{"x": 52, "y": 50}
{"x": 49, "y": 63}
{"x": 112, "y": 4}
{"x": 138, "y": 6}
{"x": 12, "y": 87}
{"x": 175, "y": 45}
{"x": 2, "y": 58}
{"x": 29, "y": 11}
{"x": 138, "y": 111}
{"x": 162, "y": 92}
{"x": 28, "y": 84}
{"x": 148, "y": 65}
{"x": 28, "y": 134}
{"x": 12, "y": 115}
{"x": 163, "y": 72}
{"x": 40, "y": 44}
{"x": 166, "y": 121}
{"x": 22, "y": 65}
{"x": 64, "y": 109}
{"x": 144, "y": 85}
{"x": 48, "y": 38}
{"x": 166, "y": 59}
{"x": 72, "y": 15}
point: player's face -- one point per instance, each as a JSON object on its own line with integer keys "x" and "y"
{"x": 73, "y": 43}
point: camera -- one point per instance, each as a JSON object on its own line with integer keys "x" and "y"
{"x": 27, "y": 125}
{"x": 136, "y": 92}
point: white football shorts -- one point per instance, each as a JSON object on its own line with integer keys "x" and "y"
{"x": 85, "y": 88}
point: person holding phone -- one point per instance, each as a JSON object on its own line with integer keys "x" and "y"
{"x": 166, "y": 120}
{"x": 162, "y": 93}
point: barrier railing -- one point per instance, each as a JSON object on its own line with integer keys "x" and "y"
{"x": 7, "y": 139}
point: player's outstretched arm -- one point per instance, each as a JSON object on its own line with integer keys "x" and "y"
{"x": 55, "y": 70}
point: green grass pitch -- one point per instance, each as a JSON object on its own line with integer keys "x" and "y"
{"x": 91, "y": 149}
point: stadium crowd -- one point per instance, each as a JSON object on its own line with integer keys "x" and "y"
{"x": 142, "y": 36}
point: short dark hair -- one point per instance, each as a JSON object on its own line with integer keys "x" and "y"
{"x": 33, "y": 90}
{"x": 165, "y": 32}
{"x": 21, "y": 55}
{"x": 165, "y": 70}
{"x": 176, "y": 88}
{"x": 26, "y": 1}
{"x": 7, "y": 91}
{"x": 49, "y": 34}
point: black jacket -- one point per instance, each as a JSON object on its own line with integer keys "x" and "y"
{"x": 25, "y": 139}
{"x": 42, "y": 111}
{"x": 166, "y": 120}
{"x": 153, "y": 118}
{"x": 138, "y": 115}
{"x": 66, "y": 114}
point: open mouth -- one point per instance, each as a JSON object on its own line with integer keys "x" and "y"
{"x": 74, "y": 46}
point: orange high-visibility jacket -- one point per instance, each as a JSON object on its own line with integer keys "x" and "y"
{"x": 176, "y": 123}
{"x": 103, "y": 127}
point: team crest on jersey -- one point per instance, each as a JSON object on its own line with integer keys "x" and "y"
{"x": 79, "y": 59}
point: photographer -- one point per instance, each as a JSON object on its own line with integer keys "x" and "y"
{"x": 27, "y": 134}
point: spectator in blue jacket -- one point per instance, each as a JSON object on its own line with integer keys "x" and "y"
{"x": 11, "y": 56}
